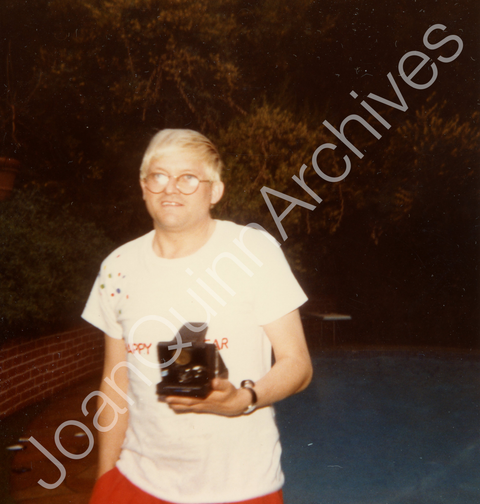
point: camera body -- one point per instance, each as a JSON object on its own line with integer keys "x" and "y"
{"x": 190, "y": 374}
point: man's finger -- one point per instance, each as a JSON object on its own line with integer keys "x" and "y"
{"x": 220, "y": 384}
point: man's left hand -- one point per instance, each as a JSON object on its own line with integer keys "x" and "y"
{"x": 224, "y": 399}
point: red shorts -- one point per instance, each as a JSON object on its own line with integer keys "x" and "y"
{"x": 114, "y": 488}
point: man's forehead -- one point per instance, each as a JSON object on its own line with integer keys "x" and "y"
{"x": 178, "y": 162}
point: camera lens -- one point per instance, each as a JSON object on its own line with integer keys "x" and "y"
{"x": 194, "y": 374}
{"x": 185, "y": 357}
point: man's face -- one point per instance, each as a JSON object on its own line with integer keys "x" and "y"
{"x": 173, "y": 211}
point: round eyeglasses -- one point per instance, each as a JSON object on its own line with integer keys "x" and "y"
{"x": 186, "y": 183}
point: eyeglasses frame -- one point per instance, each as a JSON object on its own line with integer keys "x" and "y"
{"x": 176, "y": 183}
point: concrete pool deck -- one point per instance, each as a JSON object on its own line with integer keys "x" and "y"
{"x": 374, "y": 427}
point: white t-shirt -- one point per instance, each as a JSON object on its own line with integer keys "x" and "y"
{"x": 237, "y": 282}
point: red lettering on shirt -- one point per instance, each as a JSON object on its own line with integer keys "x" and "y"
{"x": 219, "y": 346}
{"x": 138, "y": 347}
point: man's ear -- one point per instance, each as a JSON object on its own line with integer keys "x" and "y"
{"x": 217, "y": 192}
{"x": 143, "y": 186}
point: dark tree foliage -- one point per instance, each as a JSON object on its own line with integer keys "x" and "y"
{"x": 86, "y": 84}
{"x": 48, "y": 261}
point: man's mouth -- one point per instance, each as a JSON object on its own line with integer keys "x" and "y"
{"x": 171, "y": 203}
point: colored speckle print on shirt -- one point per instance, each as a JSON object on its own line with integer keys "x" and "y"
{"x": 112, "y": 284}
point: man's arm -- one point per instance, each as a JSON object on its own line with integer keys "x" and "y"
{"x": 291, "y": 373}
{"x": 110, "y": 442}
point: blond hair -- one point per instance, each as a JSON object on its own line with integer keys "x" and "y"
{"x": 183, "y": 141}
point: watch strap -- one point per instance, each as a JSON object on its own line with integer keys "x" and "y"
{"x": 249, "y": 384}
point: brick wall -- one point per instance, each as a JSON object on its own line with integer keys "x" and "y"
{"x": 32, "y": 370}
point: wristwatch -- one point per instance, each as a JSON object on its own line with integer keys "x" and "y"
{"x": 249, "y": 384}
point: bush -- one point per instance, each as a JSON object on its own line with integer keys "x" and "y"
{"x": 48, "y": 262}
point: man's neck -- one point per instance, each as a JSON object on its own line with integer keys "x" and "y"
{"x": 177, "y": 244}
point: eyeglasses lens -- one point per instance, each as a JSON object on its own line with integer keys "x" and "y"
{"x": 186, "y": 184}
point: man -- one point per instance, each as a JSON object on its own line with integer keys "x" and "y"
{"x": 235, "y": 282}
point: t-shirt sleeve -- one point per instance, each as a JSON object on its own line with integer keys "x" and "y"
{"x": 100, "y": 310}
{"x": 277, "y": 291}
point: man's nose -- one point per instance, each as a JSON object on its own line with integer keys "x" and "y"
{"x": 171, "y": 185}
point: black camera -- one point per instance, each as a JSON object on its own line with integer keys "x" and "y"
{"x": 193, "y": 368}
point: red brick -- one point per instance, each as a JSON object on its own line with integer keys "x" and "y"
{"x": 22, "y": 388}
{"x": 58, "y": 379}
{"x": 47, "y": 359}
{"x": 8, "y": 363}
{"x": 5, "y": 385}
{"x": 23, "y": 348}
{"x": 30, "y": 355}
{"x": 11, "y": 392}
{"x": 4, "y": 398}
{"x": 49, "y": 368}
{"x": 56, "y": 388}
{"x": 20, "y": 369}
{"x": 46, "y": 344}
{"x": 18, "y": 379}
{"x": 51, "y": 349}
{"x": 9, "y": 403}
{"x": 47, "y": 388}
{"x": 37, "y": 391}
{"x": 52, "y": 368}
{"x": 45, "y": 369}
{"x": 11, "y": 373}
{"x": 66, "y": 353}
{"x": 69, "y": 360}
{"x": 5, "y": 394}
{"x": 54, "y": 364}
{"x": 39, "y": 379}
{"x": 14, "y": 351}
{"x": 53, "y": 373}
{"x": 36, "y": 370}
{"x": 25, "y": 396}
{"x": 49, "y": 340}
{"x": 21, "y": 405}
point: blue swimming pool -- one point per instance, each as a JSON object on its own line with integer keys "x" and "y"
{"x": 384, "y": 427}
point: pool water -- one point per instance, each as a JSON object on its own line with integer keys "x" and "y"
{"x": 384, "y": 427}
